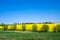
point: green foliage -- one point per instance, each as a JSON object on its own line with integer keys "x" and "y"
{"x": 28, "y": 23}
{"x": 11, "y": 28}
{"x": 5, "y": 26}
{"x": 34, "y": 27}
{"x": 23, "y": 27}
{"x": 54, "y": 29}
{"x": 14, "y": 27}
{"x": 45, "y": 28}
{"x": 58, "y": 28}
{"x": 47, "y": 23}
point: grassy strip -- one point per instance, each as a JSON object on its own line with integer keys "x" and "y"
{"x": 29, "y": 36}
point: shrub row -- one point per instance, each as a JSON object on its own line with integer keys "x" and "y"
{"x": 45, "y": 28}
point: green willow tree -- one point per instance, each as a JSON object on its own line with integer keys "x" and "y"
{"x": 45, "y": 28}
{"x": 34, "y": 28}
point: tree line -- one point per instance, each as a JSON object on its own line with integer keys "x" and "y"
{"x": 45, "y": 28}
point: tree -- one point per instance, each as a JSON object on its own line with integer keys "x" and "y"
{"x": 34, "y": 28}
{"x": 54, "y": 29}
{"x": 58, "y": 28}
{"x": 45, "y": 28}
{"x": 5, "y": 26}
{"x": 23, "y": 27}
{"x": 14, "y": 26}
{"x": 47, "y": 23}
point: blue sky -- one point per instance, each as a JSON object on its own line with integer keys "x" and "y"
{"x": 19, "y": 11}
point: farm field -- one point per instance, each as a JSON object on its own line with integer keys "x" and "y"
{"x": 29, "y": 36}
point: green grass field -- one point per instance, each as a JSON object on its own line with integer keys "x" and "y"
{"x": 29, "y": 36}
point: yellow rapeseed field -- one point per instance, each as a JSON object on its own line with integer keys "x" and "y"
{"x": 29, "y": 26}
{"x": 1, "y": 27}
{"x": 19, "y": 27}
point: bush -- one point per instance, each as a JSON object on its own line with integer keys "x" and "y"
{"x": 14, "y": 27}
{"x": 23, "y": 27}
{"x": 11, "y": 28}
{"x": 5, "y": 27}
{"x": 45, "y": 28}
{"x": 54, "y": 29}
{"x": 58, "y": 28}
{"x": 34, "y": 28}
